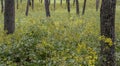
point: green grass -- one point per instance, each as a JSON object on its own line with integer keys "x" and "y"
{"x": 61, "y": 40}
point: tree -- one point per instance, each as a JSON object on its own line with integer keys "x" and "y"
{"x": 27, "y": 7}
{"x": 84, "y": 6}
{"x": 107, "y": 19}
{"x": 77, "y": 7}
{"x": 49, "y": 2}
{"x": 61, "y": 2}
{"x": 9, "y": 16}
{"x": 2, "y": 6}
{"x": 29, "y": 3}
{"x": 68, "y": 5}
{"x": 47, "y": 8}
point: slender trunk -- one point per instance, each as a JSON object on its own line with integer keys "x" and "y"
{"x": 29, "y": 3}
{"x": 27, "y": 7}
{"x": 77, "y": 7}
{"x": 84, "y": 6}
{"x": 9, "y": 16}
{"x": 61, "y": 2}
{"x": 47, "y": 8}
{"x": 68, "y": 5}
{"x": 49, "y": 2}
{"x": 107, "y": 19}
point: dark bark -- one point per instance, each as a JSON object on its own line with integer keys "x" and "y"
{"x": 2, "y": 7}
{"x": 77, "y": 7}
{"x": 107, "y": 18}
{"x": 49, "y": 2}
{"x": 29, "y": 3}
{"x": 97, "y": 4}
{"x": 84, "y": 6}
{"x": 9, "y": 16}
{"x": 47, "y": 8}
{"x": 68, "y": 5}
{"x": 27, "y": 7}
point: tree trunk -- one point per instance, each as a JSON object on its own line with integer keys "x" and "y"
{"x": 61, "y": 2}
{"x": 77, "y": 7}
{"x": 49, "y": 2}
{"x": 68, "y": 5}
{"x": 107, "y": 18}
{"x": 27, "y": 7}
{"x": 84, "y": 6}
{"x": 9, "y": 16}
{"x": 2, "y": 7}
{"x": 29, "y": 3}
{"x": 47, "y": 8}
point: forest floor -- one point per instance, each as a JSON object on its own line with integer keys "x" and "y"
{"x": 60, "y": 40}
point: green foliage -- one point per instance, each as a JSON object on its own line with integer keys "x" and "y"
{"x": 61, "y": 40}
{"x": 46, "y": 42}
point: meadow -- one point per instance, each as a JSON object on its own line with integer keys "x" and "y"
{"x": 60, "y": 40}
